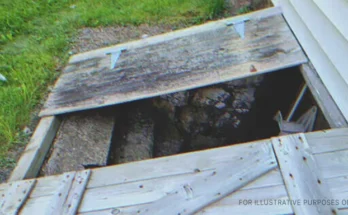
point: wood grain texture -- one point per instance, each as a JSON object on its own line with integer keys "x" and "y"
{"x": 323, "y": 98}
{"x": 183, "y": 63}
{"x": 301, "y": 175}
{"x": 34, "y": 154}
{"x": 60, "y": 196}
{"x": 75, "y": 194}
{"x": 124, "y": 189}
{"x": 329, "y": 74}
{"x": 209, "y": 26}
{"x": 193, "y": 197}
{"x": 15, "y": 196}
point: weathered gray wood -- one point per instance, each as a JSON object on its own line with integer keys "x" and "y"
{"x": 62, "y": 193}
{"x": 75, "y": 194}
{"x": 301, "y": 175}
{"x": 328, "y": 140}
{"x": 123, "y": 189}
{"x": 179, "y": 64}
{"x": 173, "y": 35}
{"x": 329, "y": 74}
{"x": 83, "y": 139}
{"x": 34, "y": 154}
{"x": 327, "y": 105}
{"x": 194, "y": 196}
{"x": 15, "y": 196}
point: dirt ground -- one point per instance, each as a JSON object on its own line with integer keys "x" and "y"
{"x": 94, "y": 38}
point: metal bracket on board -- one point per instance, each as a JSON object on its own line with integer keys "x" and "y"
{"x": 239, "y": 26}
{"x": 115, "y": 55}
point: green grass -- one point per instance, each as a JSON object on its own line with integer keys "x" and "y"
{"x": 36, "y": 35}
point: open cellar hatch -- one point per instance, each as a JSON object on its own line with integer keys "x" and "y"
{"x": 187, "y": 122}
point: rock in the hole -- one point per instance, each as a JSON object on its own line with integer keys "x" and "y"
{"x": 164, "y": 107}
{"x": 210, "y": 97}
{"x": 194, "y": 120}
{"x": 201, "y": 142}
{"x": 243, "y": 99}
{"x": 168, "y": 103}
{"x": 169, "y": 140}
{"x": 138, "y": 142}
{"x": 252, "y": 81}
{"x": 82, "y": 140}
{"x": 178, "y": 99}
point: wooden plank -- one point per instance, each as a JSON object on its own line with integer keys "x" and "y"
{"x": 301, "y": 175}
{"x": 323, "y": 65}
{"x": 323, "y": 98}
{"x": 166, "y": 166}
{"x": 122, "y": 187}
{"x": 184, "y": 63}
{"x": 325, "y": 33}
{"x": 229, "y": 205}
{"x": 83, "y": 139}
{"x": 336, "y": 12}
{"x": 59, "y": 198}
{"x": 333, "y": 164}
{"x": 35, "y": 152}
{"x": 15, "y": 196}
{"x": 321, "y": 142}
{"x": 255, "y": 200}
{"x": 173, "y": 35}
{"x": 193, "y": 197}
{"x": 75, "y": 195}
{"x": 328, "y": 140}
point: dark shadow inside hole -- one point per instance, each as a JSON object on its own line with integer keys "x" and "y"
{"x": 188, "y": 121}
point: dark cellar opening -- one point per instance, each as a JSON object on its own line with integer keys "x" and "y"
{"x": 213, "y": 116}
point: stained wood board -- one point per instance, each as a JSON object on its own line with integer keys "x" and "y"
{"x": 301, "y": 174}
{"x": 35, "y": 152}
{"x": 199, "y": 59}
{"x": 329, "y": 74}
{"x": 323, "y": 98}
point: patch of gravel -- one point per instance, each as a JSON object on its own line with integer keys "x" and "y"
{"x": 93, "y": 38}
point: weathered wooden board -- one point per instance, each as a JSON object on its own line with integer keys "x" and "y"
{"x": 62, "y": 191}
{"x": 328, "y": 140}
{"x": 15, "y": 196}
{"x": 83, "y": 139}
{"x": 172, "y": 35}
{"x": 34, "y": 154}
{"x": 124, "y": 189}
{"x": 208, "y": 57}
{"x": 68, "y": 199}
{"x": 302, "y": 176}
{"x": 323, "y": 98}
{"x": 327, "y": 70}
{"x": 192, "y": 197}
